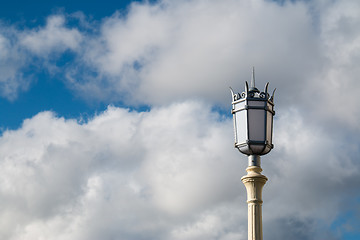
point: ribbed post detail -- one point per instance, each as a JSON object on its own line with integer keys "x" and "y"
{"x": 254, "y": 182}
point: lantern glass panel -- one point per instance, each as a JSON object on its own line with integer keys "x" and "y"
{"x": 240, "y": 124}
{"x": 269, "y": 127}
{"x": 239, "y": 105}
{"x": 256, "y": 103}
{"x": 256, "y": 124}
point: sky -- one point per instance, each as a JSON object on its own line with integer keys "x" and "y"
{"x": 115, "y": 118}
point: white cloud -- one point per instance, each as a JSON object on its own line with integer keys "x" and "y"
{"x": 336, "y": 86}
{"x": 54, "y": 37}
{"x": 24, "y": 52}
{"x": 12, "y": 63}
{"x": 194, "y": 48}
{"x": 169, "y": 173}
{"x": 169, "y": 51}
{"x": 111, "y": 168}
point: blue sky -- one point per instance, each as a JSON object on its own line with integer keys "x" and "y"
{"x": 49, "y": 92}
{"x": 119, "y": 111}
{"x": 35, "y": 12}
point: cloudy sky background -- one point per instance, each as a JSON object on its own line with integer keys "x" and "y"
{"x": 116, "y": 124}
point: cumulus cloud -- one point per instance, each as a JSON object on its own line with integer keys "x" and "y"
{"x": 53, "y": 37}
{"x": 169, "y": 173}
{"x": 156, "y": 53}
{"x": 23, "y": 52}
{"x": 338, "y": 81}
{"x": 12, "y": 64}
{"x": 193, "y": 48}
{"x": 169, "y": 51}
{"x": 60, "y": 177}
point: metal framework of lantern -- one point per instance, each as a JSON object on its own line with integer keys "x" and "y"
{"x": 253, "y": 113}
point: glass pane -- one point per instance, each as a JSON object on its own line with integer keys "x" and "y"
{"x": 239, "y": 105}
{"x": 256, "y": 103}
{"x": 269, "y": 127}
{"x": 256, "y": 124}
{"x": 241, "y": 124}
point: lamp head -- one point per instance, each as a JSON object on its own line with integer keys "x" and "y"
{"x": 253, "y": 113}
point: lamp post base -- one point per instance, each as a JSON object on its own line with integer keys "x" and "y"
{"x": 254, "y": 182}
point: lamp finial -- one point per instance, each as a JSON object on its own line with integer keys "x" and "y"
{"x": 253, "y": 78}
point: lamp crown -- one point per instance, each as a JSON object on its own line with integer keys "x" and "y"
{"x": 253, "y": 92}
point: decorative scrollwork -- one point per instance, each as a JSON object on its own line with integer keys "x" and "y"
{"x": 253, "y": 92}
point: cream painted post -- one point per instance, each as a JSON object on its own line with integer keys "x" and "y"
{"x": 254, "y": 182}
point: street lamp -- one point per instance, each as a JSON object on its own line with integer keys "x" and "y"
{"x": 253, "y": 113}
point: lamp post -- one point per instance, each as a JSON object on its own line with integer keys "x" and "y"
{"x": 253, "y": 113}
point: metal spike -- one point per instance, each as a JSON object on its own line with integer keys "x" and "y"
{"x": 246, "y": 87}
{"x": 253, "y": 78}
{"x": 266, "y": 88}
{"x": 272, "y": 96}
{"x": 232, "y": 93}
